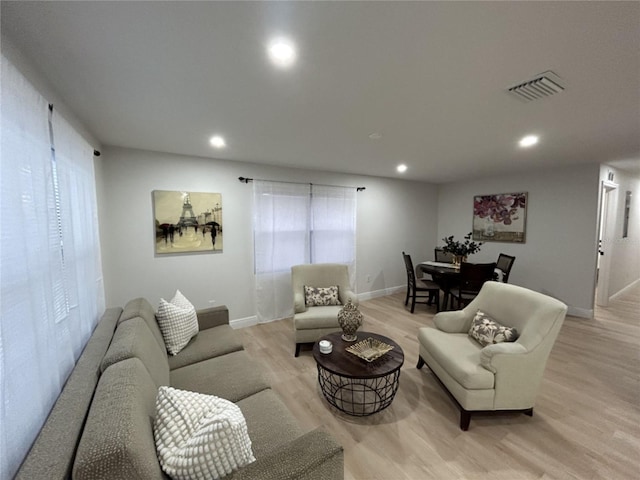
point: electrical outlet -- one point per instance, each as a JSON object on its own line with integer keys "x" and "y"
{"x": 368, "y": 278}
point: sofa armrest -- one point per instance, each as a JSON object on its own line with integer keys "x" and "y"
{"x": 315, "y": 455}
{"x": 213, "y": 317}
{"x": 492, "y": 357}
{"x": 299, "y": 305}
{"x": 452, "y": 322}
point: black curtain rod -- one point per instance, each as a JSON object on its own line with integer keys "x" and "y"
{"x": 247, "y": 180}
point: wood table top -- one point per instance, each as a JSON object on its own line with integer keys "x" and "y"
{"x": 346, "y": 364}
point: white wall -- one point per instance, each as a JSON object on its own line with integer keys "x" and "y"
{"x": 559, "y": 255}
{"x": 393, "y": 215}
{"x": 625, "y": 252}
{"x": 38, "y": 79}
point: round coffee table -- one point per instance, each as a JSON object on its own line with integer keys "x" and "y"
{"x": 353, "y": 385}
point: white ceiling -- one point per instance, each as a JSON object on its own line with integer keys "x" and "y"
{"x": 431, "y": 77}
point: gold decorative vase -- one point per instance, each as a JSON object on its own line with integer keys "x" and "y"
{"x": 349, "y": 319}
{"x": 458, "y": 259}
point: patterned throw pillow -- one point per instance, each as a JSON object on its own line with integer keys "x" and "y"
{"x": 199, "y": 436}
{"x": 487, "y": 331}
{"x": 321, "y": 296}
{"x": 178, "y": 322}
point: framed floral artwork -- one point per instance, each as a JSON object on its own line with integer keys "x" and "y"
{"x": 187, "y": 222}
{"x": 500, "y": 217}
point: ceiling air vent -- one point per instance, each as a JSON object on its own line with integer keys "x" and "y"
{"x": 543, "y": 85}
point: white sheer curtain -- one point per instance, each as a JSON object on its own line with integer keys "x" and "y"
{"x": 281, "y": 239}
{"x": 80, "y": 235}
{"x": 47, "y": 312}
{"x": 333, "y": 226}
{"x": 296, "y": 224}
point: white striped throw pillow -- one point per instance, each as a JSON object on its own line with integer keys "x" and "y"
{"x": 178, "y": 322}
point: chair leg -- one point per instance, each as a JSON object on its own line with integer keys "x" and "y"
{"x": 297, "y": 349}
{"x": 413, "y": 301}
{"x": 406, "y": 300}
{"x": 420, "y": 363}
{"x": 465, "y": 419}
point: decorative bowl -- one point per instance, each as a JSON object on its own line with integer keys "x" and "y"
{"x": 369, "y": 349}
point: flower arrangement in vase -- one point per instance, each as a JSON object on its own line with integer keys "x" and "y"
{"x": 460, "y": 250}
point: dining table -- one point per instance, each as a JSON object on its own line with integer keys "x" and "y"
{"x": 447, "y": 276}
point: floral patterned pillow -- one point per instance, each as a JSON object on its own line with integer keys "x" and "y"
{"x": 487, "y": 331}
{"x": 321, "y": 296}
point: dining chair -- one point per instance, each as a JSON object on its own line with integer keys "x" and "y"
{"x": 441, "y": 256}
{"x": 472, "y": 277}
{"x": 504, "y": 264}
{"x": 417, "y": 288}
{"x": 445, "y": 284}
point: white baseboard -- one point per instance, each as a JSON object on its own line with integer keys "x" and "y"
{"x": 253, "y": 320}
{"x": 580, "y": 312}
{"x": 380, "y": 293}
{"x": 624, "y": 290}
{"x": 573, "y": 311}
{"x": 244, "y": 322}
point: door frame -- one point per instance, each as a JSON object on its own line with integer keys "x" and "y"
{"x": 606, "y": 229}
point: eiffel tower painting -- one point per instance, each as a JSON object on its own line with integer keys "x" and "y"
{"x": 187, "y": 222}
{"x": 188, "y": 218}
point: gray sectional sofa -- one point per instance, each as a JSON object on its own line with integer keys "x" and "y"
{"x": 102, "y": 424}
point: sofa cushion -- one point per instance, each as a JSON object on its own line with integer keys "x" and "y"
{"x": 199, "y": 436}
{"x": 487, "y": 331}
{"x": 321, "y": 296}
{"x": 459, "y": 355}
{"x": 269, "y": 422}
{"x": 133, "y": 339}
{"x": 140, "y": 307}
{"x": 178, "y": 323}
{"x": 209, "y": 343}
{"x": 117, "y": 441}
{"x": 233, "y": 376}
{"x": 313, "y": 456}
{"x": 317, "y": 317}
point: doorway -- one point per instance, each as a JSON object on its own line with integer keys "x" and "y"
{"x": 605, "y": 241}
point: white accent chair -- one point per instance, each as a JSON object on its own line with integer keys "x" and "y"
{"x": 311, "y": 322}
{"x": 498, "y": 377}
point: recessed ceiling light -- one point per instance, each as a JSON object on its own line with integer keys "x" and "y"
{"x": 528, "y": 141}
{"x": 282, "y": 52}
{"x": 375, "y": 136}
{"x": 401, "y": 168}
{"x": 217, "y": 141}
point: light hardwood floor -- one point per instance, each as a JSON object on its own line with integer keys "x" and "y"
{"x": 586, "y": 422}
